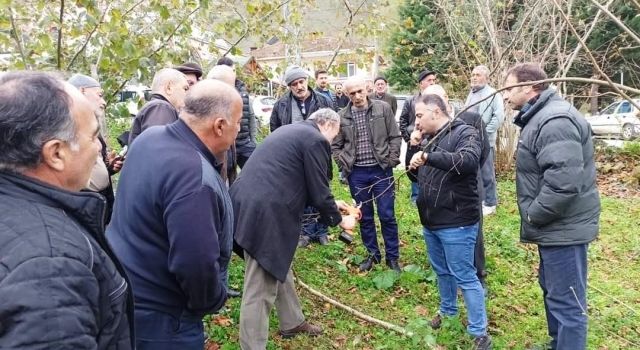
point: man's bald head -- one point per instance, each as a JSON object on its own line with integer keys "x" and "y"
{"x": 223, "y": 73}
{"x": 436, "y": 89}
{"x": 213, "y": 110}
{"x": 354, "y": 81}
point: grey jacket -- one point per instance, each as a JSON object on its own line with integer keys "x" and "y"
{"x": 556, "y": 174}
{"x": 491, "y": 110}
{"x": 383, "y": 133}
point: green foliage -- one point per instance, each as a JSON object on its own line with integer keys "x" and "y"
{"x": 417, "y": 42}
{"x": 385, "y": 279}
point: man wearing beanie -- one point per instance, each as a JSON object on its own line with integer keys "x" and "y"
{"x": 380, "y": 94}
{"x": 295, "y": 106}
{"x": 246, "y": 140}
{"x": 192, "y": 71}
{"x": 107, "y": 163}
{"x": 407, "y": 123}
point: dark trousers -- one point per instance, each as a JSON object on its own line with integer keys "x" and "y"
{"x": 159, "y": 331}
{"x": 563, "y": 279}
{"x": 366, "y": 183}
{"x": 314, "y": 229}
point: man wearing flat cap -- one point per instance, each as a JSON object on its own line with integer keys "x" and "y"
{"x": 192, "y": 71}
{"x": 380, "y": 93}
{"x": 407, "y": 123}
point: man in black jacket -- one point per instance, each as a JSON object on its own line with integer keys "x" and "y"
{"x": 172, "y": 216}
{"x": 60, "y": 284}
{"x": 557, "y": 197}
{"x": 449, "y": 209}
{"x": 168, "y": 88}
{"x": 407, "y": 120}
{"x": 246, "y": 140}
{"x": 295, "y": 106}
{"x": 269, "y": 198}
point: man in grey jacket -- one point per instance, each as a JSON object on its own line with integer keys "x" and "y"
{"x": 492, "y": 112}
{"x": 557, "y": 197}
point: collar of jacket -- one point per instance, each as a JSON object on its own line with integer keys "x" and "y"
{"x": 156, "y": 96}
{"x": 347, "y": 113}
{"x": 182, "y": 129}
{"x": 87, "y": 208}
{"x": 532, "y": 107}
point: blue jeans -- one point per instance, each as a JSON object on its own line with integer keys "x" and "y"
{"x": 488, "y": 173}
{"x": 156, "y": 330}
{"x": 450, "y": 253}
{"x": 414, "y": 191}
{"x": 366, "y": 183}
{"x": 563, "y": 279}
{"x": 315, "y": 229}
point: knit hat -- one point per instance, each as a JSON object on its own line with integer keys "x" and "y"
{"x": 83, "y": 81}
{"x": 294, "y": 73}
{"x": 190, "y": 68}
{"x": 425, "y": 73}
{"x": 380, "y": 78}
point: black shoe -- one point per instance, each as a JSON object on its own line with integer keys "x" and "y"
{"x": 482, "y": 343}
{"x": 232, "y": 293}
{"x": 394, "y": 265}
{"x": 368, "y": 264}
{"x": 304, "y": 241}
{"x": 323, "y": 240}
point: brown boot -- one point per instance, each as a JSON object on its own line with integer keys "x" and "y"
{"x": 304, "y": 328}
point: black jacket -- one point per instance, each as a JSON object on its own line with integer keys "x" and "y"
{"x": 246, "y": 138}
{"x": 281, "y": 113}
{"x": 60, "y": 284}
{"x": 556, "y": 174}
{"x": 289, "y": 170}
{"x": 448, "y": 182}
{"x": 408, "y": 118}
{"x": 158, "y": 111}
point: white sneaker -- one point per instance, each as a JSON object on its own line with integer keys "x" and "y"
{"x": 488, "y": 210}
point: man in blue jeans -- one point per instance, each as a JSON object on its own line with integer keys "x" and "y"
{"x": 557, "y": 197}
{"x": 366, "y": 149}
{"x": 449, "y": 209}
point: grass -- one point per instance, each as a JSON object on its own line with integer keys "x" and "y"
{"x": 515, "y": 309}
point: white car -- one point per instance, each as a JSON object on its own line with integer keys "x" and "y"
{"x": 262, "y": 107}
{"x": 619, "y": 119}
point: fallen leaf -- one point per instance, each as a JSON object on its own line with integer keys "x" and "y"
{"x": 222, "y": 321}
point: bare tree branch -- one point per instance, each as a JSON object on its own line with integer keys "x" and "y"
{"x": 593, "y": 59}
{"x": 88, "y": 37}
{"x": 175, "y": 30}
{"x": 59, "y": 63}
{"x": 347, "y": 33}
{"x": 617, "y": 21}
{"x": 16, "y": 36}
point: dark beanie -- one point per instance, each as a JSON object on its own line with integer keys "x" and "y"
{"x": 190, "y": 68}
{"x": 224, "y": 60}
{"x": 425, "y": 73}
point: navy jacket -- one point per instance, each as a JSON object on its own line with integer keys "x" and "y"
{"x": 170, "y": 209}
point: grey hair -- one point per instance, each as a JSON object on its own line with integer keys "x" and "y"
{"x": 223, "y": 73}
{"x": 203, "y": 106}
{"x": 34, "y": 109}
{"x": 163, "y": 77}
{"x": 324, "y": 116}
{"x": 484, "y": 69}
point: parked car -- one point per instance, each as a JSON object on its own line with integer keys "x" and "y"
{"x": 262, "y": 107}
{"x": 619, "y": 119}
